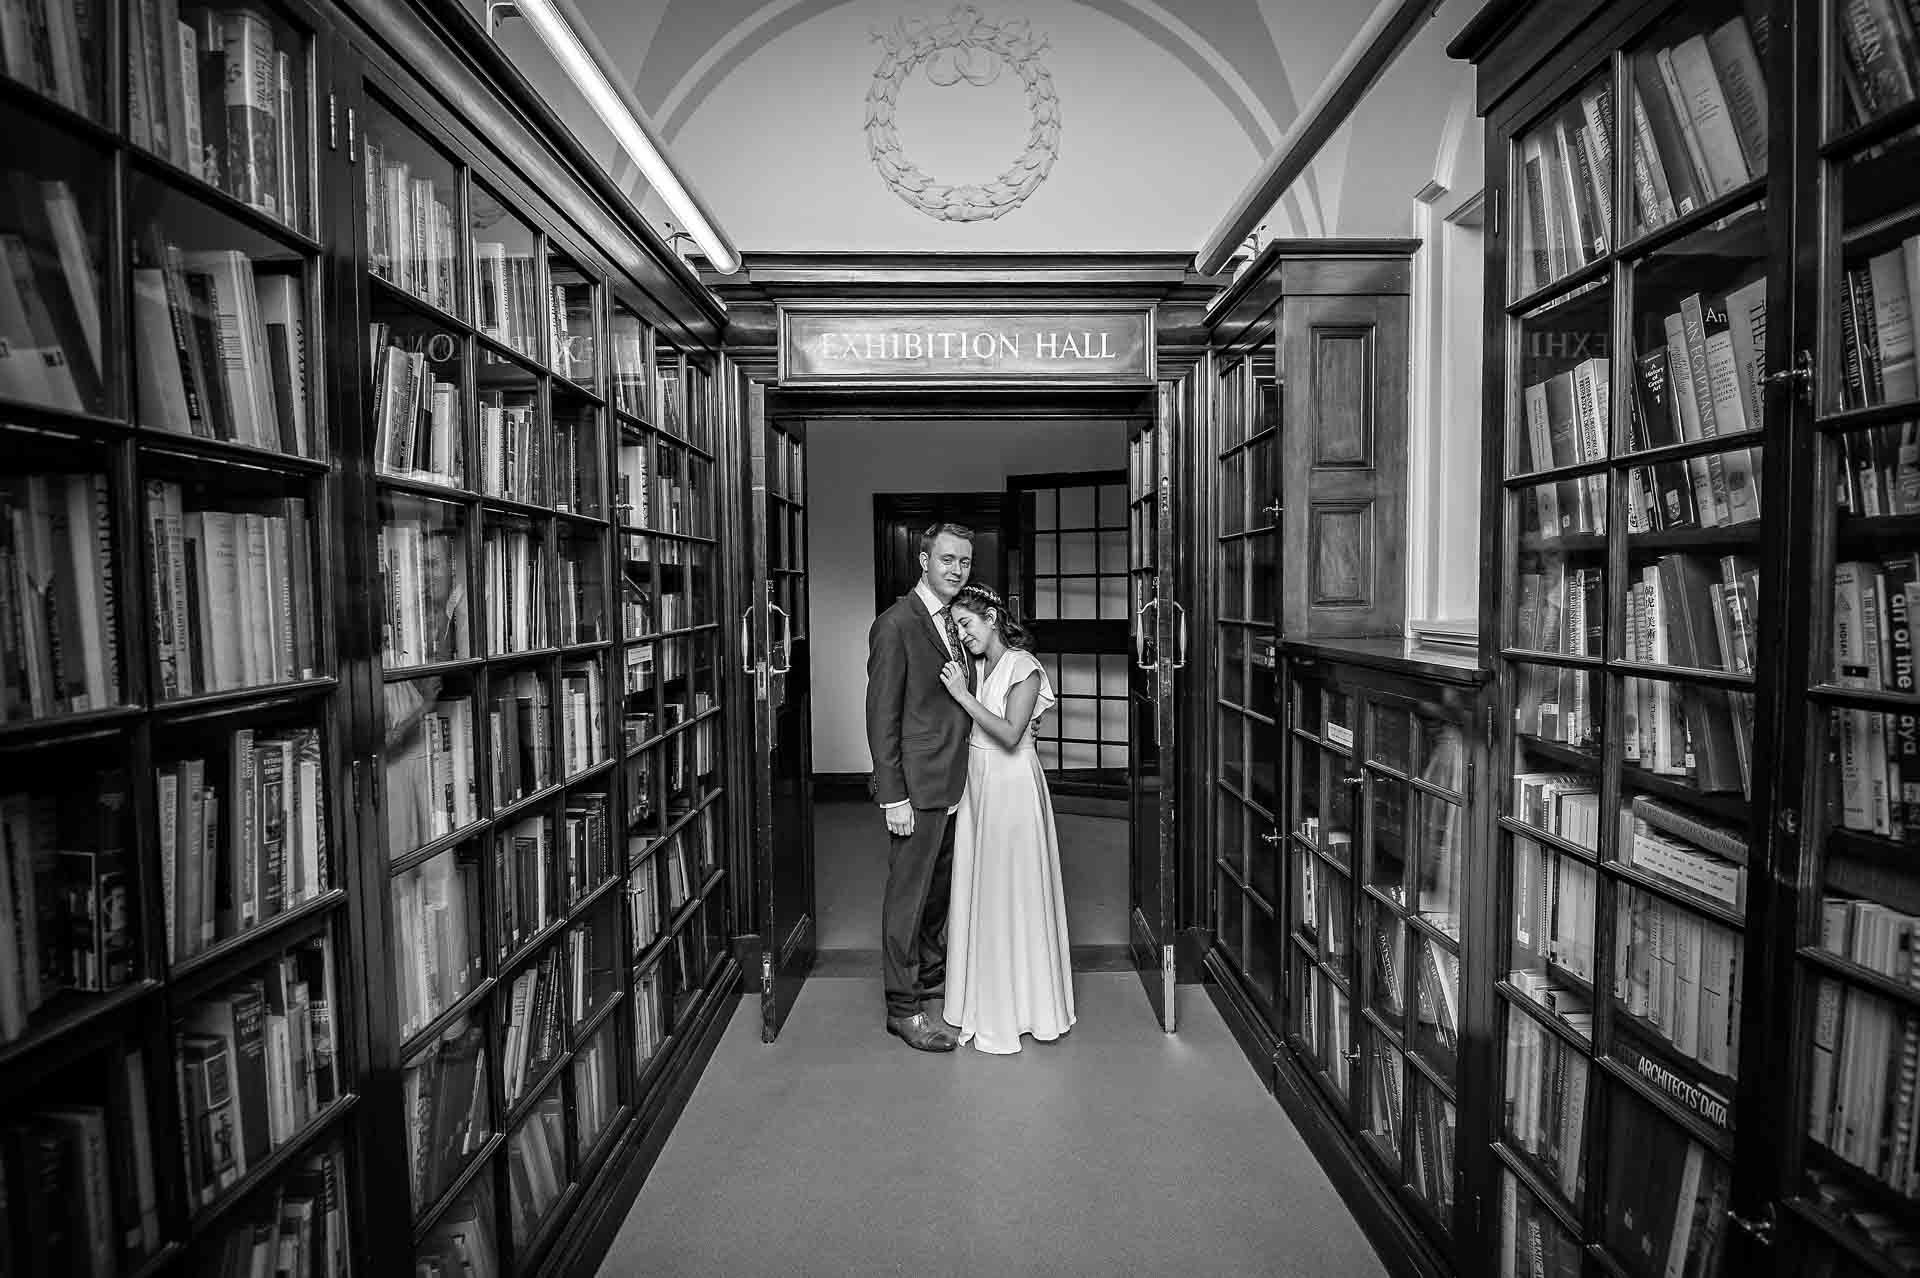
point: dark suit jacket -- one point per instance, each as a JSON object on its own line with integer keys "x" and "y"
{"x": 916, "y": 731}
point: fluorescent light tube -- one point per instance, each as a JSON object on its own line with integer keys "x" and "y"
{"x": 575, "y": 47}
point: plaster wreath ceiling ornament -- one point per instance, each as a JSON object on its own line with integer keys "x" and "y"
{"x": 964, "y": 47}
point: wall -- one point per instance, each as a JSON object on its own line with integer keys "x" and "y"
{"x": 848, "y": 462}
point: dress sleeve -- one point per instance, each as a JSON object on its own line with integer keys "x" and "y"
{"x": 1030, "y": 664}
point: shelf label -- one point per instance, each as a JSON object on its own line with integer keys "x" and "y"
{"x": 1341, "y": 735}
{"x": 917, "y": 345}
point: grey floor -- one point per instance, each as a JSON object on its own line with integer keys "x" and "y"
{"x": 850, "y": 869}
{"x": 1118, "y": 1150}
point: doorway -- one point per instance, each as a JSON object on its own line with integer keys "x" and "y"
{"x": 874, "y": 485}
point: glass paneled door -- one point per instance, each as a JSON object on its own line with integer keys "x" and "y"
{"x": 775, "y": 652}
{"x": 1158, "y": 650}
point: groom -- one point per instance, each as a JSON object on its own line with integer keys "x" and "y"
{"x": 918, "y": 736}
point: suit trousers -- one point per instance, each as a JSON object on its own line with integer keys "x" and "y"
{"x": 913, "y": 916}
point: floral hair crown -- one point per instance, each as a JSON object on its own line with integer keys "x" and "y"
{"x": 975, "y": 593}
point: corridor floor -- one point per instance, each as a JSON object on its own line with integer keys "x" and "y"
{"x": 1118, "y": 1150}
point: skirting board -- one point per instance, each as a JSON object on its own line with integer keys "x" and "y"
{"x": 1404, "y": 1251}
{"x": 587, "y": 1238}
{"x": 835, "y": 787}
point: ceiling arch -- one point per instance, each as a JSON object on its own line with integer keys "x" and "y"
{"x": 1228, "y": 47}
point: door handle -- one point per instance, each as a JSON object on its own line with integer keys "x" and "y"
{"x": 746, "y": 641}
{"x": 1180, "y": 648}
{"x": 1272, "y": 510}
{"x": 1139, "y": 623}
{"x": 786, "y": 638}
{"x": 1270, "y": 838}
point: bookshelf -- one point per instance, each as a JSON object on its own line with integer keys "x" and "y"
{"x": 1641, "y": 509}
{"x": 546, "y": 626}
{"x": 317, "y": 832}
{"x": 178, "y": 1024}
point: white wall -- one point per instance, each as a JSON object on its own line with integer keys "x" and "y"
{"x": 847, "y": 463}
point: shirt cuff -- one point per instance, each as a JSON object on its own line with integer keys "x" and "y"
{"x": 900, "y": 803}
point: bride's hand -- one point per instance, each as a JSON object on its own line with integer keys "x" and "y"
{"x": 954, "y": 675}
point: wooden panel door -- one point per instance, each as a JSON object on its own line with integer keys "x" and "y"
{"x": 1344, "y": 360}
{"x": 1158, "y": 651}
{"x": 776, "y": 650}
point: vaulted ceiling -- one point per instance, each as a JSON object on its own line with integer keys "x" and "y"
{"x": 1165, "y": 110}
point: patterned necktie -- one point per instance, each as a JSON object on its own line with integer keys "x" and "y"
{"x": 960, "y": 652}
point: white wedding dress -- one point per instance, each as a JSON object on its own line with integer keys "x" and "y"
{"x": 1009, "y": 970}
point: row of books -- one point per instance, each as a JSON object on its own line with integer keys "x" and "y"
{"x": 257, "y": 1062}
{"x": 216, "y": 93}
{"x": 416, "y": 415}
{"x": 49, "y": 46}
{"x": 590, "y": 965}
{"x": 1874, "y": 604}
{"x": 535, "y": 1030}
{"x": 1432, "y": 1160}
{"x": 643, "y": 898}
{"x": 233, "y": 591}
{"x": 67, "y": 903}
{"x": 576, "y": 465}
{"x": 1561, "y": 611}
{"x": 78, "y": 1182}
{"x": 1876, "y": 327}
{"x": 1704, "y": 384}
{"x": 59, "y": 599}
{"x": 1533, "y": 1244}
{"x": 586, "y": 844}
{"x": 1555, "y": 908}
{"x": 571, "y": 325}
{"x": 1866, "y": 1058}
{"x": 629, "y": 352}
{"x": 521, "y": 741}
{"x": 298, "y": 1231}
{"x": 444, "y": 1094}
{"x": 579, "y": 589}
{"x": 1699, "y": 119}
{"x": 1556, "y": 703}
{"x": 526, "y": 895}
{"x": 513, "y": 565}
{"x": 1881, "y": 466}
{"x": 436, "y": 908}
{"x": 1667, "y": 1195}
{"x": 507, "y": 295}
{"x": 537, "y": 1165}
{"x": 1436, "y": 985}
{"x": 411, "y": 237}
{"x": 595, "y": 1094}
{"x": 1563, "y": 804}
{"x": 429, "y": 790}
{"x": 1679, "y": 973}
{"x": 1861, "y": 1215}
{"x": 1875, "y": 936}
{"x": 1323, "y": 1024}
{"x": 1671, "y": 844}
{"x": 234, "y": 854}
{"x": 631, "y": 488}
{"x": 1678, "y": 615}
{"x": 1881, "y": 67}
{"x": 220, "y": 350}
{"x": 462, "y": 1242}
{"x": 421, "y": 564}
{"x": 50, "y": 329}
{"x": 1545, "y": 1114}
{"x": 1566, "y": 420}
{"x": 649, "y": 1019}
{"x": 583, "y": 712}
{"x": 513, "y": 447}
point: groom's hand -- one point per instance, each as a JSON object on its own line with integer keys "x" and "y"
{"x": 900, "y": 820}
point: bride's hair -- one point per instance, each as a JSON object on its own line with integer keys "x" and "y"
{"x": 977, "y": 599}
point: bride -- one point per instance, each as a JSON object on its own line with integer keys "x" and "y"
{"x": 1008, "y": 964}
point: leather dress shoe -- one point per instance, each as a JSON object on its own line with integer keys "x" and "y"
{"x": 920, "y": 1033}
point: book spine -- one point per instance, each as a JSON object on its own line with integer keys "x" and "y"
{"x": 251, "y": 102}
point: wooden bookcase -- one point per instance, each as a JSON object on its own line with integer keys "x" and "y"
{"x": 1645, "y": 495}
{"x": 362, "y": 738}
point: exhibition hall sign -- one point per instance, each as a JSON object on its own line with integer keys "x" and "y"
{"x": 918, "y": 345}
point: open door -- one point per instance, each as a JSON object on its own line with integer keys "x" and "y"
{"x": 1158, "y": 650}
{"x": 774, "y": 630}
